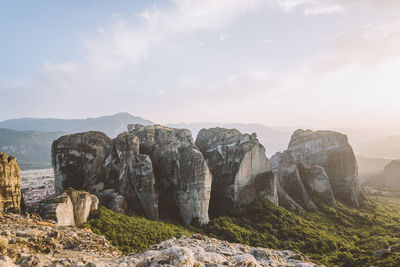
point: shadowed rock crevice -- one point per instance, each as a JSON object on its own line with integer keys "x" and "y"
{"x": 235, "y": 160}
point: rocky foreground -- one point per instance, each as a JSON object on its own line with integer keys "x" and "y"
{"x": 30, "y": 241}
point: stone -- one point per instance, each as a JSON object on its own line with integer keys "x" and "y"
{"x": 10, "y": 184}
{"x": 183, "y": 180}
{"x": 287, "y": 202}
{"x": 290, "y": 179}
{"x": 236, "y": 160}
{"x": 72, "y": 207}
{"x": 114, "y": 170}
{"x": 332, "y": 151}
{"x": 187, "y": 251}
{"x": 132, "y": 174}
{"x": 317, "y": 181}
{"x": 391, "y": 176}
{"x": 78, "y": 160}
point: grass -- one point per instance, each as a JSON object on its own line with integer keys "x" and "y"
{"x": 343, "y": 236}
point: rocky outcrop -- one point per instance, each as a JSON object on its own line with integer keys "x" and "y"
{"x": 10, "y": 184}
{"x": 30, "y": 241}
{"x": 239, "y": 167}
{"x": 389, "y": 180}
{"x": 300, "y": 181}
{"x": 203, "y": 251}
{"x": 78, "y": 160}
{"x": 290, "y": 179}
{"x": 114, "y": 170}
{"x": 183, "y": 180}
{"x": 72, "y": 207}
{"x": 316, "y": 179}
{"x": 131, "y": 174}
{"x": 332, "y": 151}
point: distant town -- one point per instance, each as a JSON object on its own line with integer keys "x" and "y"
{"x": 37, "y": 185}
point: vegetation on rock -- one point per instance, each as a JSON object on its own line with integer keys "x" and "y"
{"x": 343, "y": 236}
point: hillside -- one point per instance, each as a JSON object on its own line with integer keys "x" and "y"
{"x": 273, "y": 140}
{"x": 30, "y": 139}
{"x": 335, "y": 237}
{"x": 31, "y": 148}
{"x": 111, "y": 125}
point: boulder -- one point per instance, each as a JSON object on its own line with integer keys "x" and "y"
{"x": 10, "y": 184}
{"x": 78, "y": 160}
{"x": 236, "y": 162}
{"x": 72, "y": 207}
{"x": 332, "y": 151}
{"x": 183, "y": 180}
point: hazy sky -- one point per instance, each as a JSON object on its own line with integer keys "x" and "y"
{"x": 320, "y": 63}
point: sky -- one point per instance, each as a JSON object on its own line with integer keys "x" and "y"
{"x": 319, "y": 63}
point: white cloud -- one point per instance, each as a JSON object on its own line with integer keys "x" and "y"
{"x": 327, "y": 10}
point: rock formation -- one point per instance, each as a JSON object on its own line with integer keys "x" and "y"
{"x": 78, "y": 160}
{"x": 290, "y": 180}
{"x": 332, "y": 151}
{"x": 72, "y": 207}
{"x": 391, "y": 177}
{"x": 10, "y": 184}
{"x": 300, "y": 180}
{"x": 31, "y": 241}
{"x": 132, "y": 175}
{"x": 239, "y": 167}
{"x": 203, "y": 251}
{"x": 183, "y": 180}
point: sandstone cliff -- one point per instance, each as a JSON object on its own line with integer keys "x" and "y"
{"x": 332, "y": 151}
{"x": 10, "y": 184}
{"x": 183, "y": 180}
{"x": 239, "y": 167}
{"x": 72, "y": 207}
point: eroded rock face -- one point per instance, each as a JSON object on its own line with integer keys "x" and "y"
{"x": 78, "y": 160}
{"x": 317, "y": 181}
{"x": 72, "y": 207}
{"x": 237, "y": 162}
{"x": 203, "y": 251}
{"x": 391, "y": 176}
{"x": 290, "y": 179}
{"x": 132, "y": 175}
{"x": 10, "y": 184}
{"x": 332, "y": 151}
{"x": 183, "y": 180}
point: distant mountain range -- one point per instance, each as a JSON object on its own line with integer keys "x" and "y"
{"x": 30, "y": 139}
{"x": 388, "y": 148}
{"x": 31, "y": 148}
{"x": 273, "y": 140}
{"x": 111, "y": 125}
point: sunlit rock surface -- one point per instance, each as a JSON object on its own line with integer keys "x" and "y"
{"x": 72, "y": 207}
{"x": 183, "y": 180}
{"x": 239, "y": 167}
{"x": 10, "y": 184}
{"x": 332, "y": 151}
